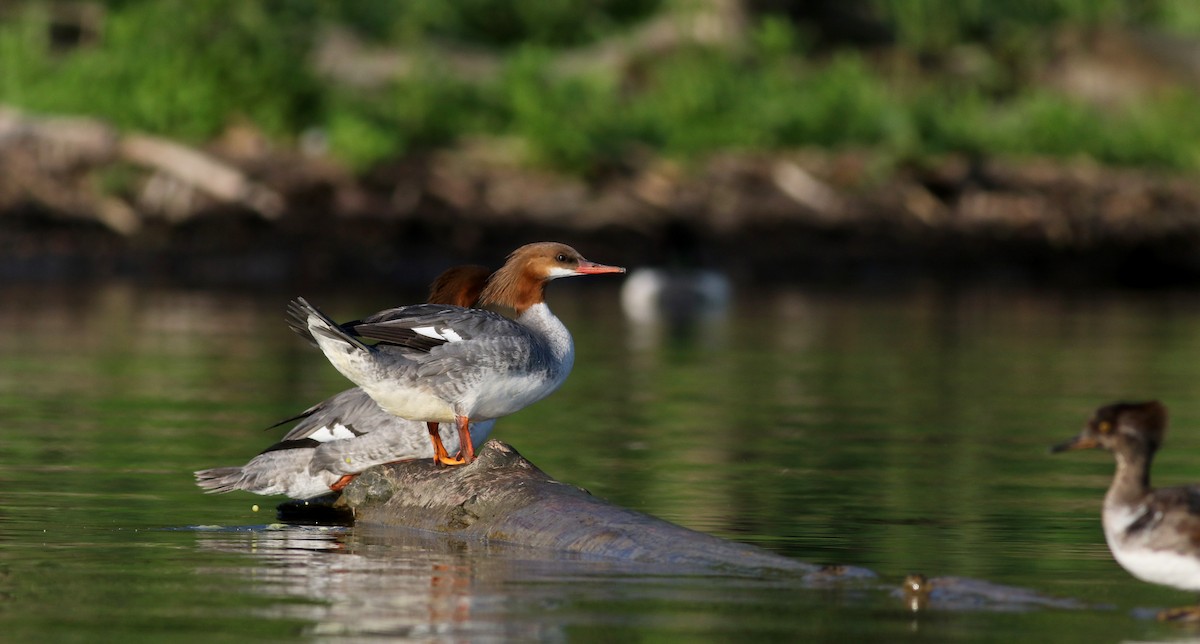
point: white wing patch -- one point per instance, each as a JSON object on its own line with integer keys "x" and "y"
{"x": 325, "y": 434}
{"x": 446, "y": 333}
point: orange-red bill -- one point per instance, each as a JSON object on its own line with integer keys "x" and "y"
{"x": 592, "y": 268}
{"x": 1079, "y": 442}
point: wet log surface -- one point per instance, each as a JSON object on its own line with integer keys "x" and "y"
{"x": 503, "y": 497}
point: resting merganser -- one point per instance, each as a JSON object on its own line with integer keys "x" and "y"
{"x": 677, "y": 296}
{"x": 342, "y": 436}
{"x": 447, "y": 364}
{"x": 683, "y": 290}
{"x": 1153, "y": 533}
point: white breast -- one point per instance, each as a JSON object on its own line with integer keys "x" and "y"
{"x": 1169, "y": 568}
{"x": 411, "y": 403}
{"x": 1160, "y": 567}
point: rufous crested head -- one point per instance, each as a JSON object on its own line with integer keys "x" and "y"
{"x": 1122, "y": 426}
{"x": 520, "y": 283}
{"x": 459, "y": 285}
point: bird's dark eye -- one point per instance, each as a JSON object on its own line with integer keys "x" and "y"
{"x": 562, "y": 257}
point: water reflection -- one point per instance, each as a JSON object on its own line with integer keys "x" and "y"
{"x": 897, "y": 431}
{"x": 381, "y": 582}
{"x": 352, "y": 587}
{"x": 377, "y": 582}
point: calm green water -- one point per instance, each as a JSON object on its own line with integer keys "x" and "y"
{"x": 897, "y": 431}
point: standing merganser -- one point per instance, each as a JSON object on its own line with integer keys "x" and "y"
{"x": 450, "y": 364}
{"x": 1153, "y": 533}
{"x": 342, "y": 436}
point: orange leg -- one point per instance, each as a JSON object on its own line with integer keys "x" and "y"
{"x": 342, "y": 482}
{"x": 440, "y": 455}
{"x": 464, "y": 439}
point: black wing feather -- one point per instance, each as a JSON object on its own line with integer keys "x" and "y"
{"x": 398, "y": 336}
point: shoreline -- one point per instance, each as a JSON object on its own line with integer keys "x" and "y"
{"x": 807, "y": 214}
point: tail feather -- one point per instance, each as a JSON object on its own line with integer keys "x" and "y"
{"x": 275, "y": 471}
{"x": 300, "y": 416}
{"x": 308, "y": 320}
{"x": 219, "y": 479}
{"x": 297, "y": 319}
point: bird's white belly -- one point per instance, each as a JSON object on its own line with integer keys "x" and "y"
{"x": 406, "y": 402}
{"x": 412, "y": 404}
{"x": 1166, "y": 567}
{"x": 1161, "y": 567}
{"x": 504, "y": 396}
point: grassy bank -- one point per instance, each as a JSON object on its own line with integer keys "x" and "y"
{"x": 944, "y": 77}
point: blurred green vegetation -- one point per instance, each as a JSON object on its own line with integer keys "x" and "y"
{"x": 189, "y": 70}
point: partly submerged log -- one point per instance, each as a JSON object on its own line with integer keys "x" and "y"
{"x": 503, "y": 497}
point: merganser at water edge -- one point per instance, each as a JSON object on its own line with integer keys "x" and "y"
{"x": 437, "y": 363}
{"x": 1153, "y": 533}
{"x": 344, "y": 435}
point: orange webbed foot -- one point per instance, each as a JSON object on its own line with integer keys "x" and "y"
{"x": 446, "y": 460}
{"x": 342, "y": 482}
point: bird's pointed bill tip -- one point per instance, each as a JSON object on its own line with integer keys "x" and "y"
{"x": 1078, "y": 442}
{"x": 592, "y": 268}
